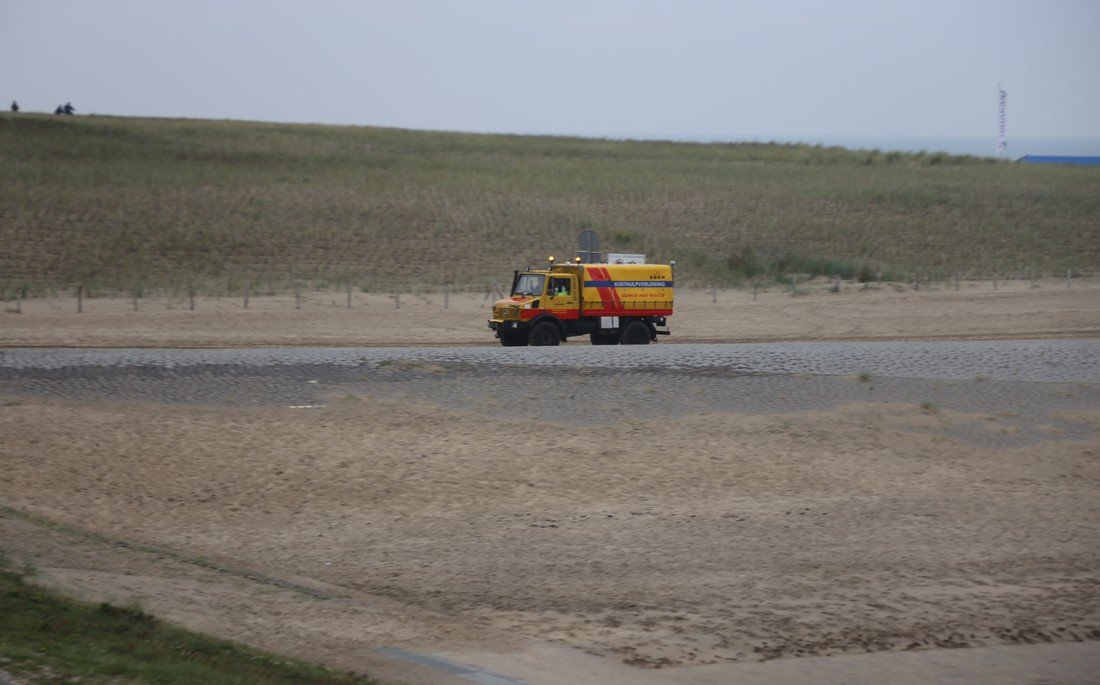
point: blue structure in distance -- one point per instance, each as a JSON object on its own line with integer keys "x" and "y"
{"x": 1059, "y": 159}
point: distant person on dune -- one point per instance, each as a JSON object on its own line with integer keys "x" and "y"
{"x": 69, "y": 109}
{"x": 14, "y": 106}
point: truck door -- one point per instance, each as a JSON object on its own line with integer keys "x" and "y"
{"x": 562, "y": 296}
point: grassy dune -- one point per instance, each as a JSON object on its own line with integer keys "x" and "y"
{"x": 122, "y": 203}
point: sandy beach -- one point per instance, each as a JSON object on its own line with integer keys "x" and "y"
{"x": 1014, "y": 310}
{"x": 402, "y": 519}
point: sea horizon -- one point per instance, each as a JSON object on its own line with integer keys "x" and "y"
{"x": 976, "y": 146}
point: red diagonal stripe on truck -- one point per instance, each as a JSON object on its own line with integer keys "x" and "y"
{"x": 605, "y": 293}
{"x": 611, "y": 292}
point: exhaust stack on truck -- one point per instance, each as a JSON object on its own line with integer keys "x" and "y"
{"x": 613, "y": 304}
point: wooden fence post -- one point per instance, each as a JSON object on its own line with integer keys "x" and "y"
{"x": 80, "y": 299}
{"x": 349, "y": 295}
{"x": 446, "y": 295}
{"x": 297, "y": 298}
{"x": 246, "y": 287}
{"x": 1069, "y": 275}
{"x": 754, "y": 288}
{"x": 191, "y": 296}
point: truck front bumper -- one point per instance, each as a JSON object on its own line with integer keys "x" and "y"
{"x": 499, "y": 326}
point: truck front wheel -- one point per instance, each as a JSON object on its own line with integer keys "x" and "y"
{"x": 635, "y": 333}
{"x": 545, "y": 334}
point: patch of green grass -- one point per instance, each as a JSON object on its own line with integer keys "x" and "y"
{"x": 46, "y": 638}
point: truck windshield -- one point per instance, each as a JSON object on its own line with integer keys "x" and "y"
{"x": 529, "y": 284}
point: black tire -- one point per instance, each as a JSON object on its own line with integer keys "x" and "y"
{"x": 635, "y": 333}
{"x": 607, "y": 338}
{"x": 513, "y": 339}
{"x": 545, "y": 334}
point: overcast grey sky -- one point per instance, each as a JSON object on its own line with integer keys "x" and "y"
{"x": 740, "y": 69}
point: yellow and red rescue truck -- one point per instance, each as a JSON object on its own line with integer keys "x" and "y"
{"x": 613, "y": 304}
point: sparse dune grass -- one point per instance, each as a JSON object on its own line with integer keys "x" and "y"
{"x": 123, "y": 203}
{"x": 48, "y": 638}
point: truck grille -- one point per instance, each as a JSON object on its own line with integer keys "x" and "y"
{"x": 504, "y": 313}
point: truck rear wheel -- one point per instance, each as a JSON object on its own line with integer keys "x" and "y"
{"x": 604, "y": 338}
{"x": 635, "y": 333}
{"x": 513, "y": 338}
{"x": 545, "y": 334}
